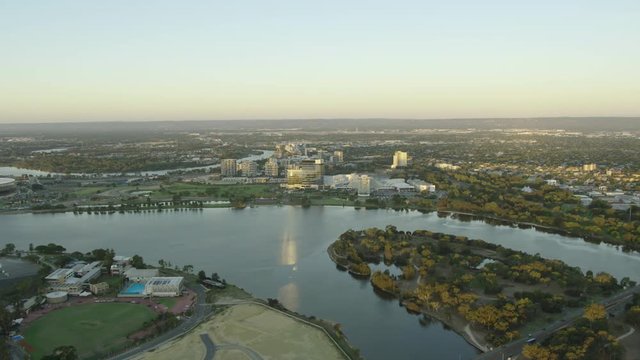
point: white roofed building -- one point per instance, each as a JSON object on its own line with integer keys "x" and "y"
{"x": 164, "y": 286}
{"x": 141, "y": 275}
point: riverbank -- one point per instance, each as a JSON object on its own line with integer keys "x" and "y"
{"x": 591, "y": 238}
{"x": 492, "y": 220}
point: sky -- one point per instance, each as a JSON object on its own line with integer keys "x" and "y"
{"x": 142, "y": 60}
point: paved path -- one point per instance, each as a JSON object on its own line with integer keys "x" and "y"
{"x": 467, "y": 330}
{"x": 200, "y": 313}
{"x": 515, "y": 347}
{"x": 247, "y": 351}
{"x": 209, "y": 346}
{"x": 628, "y": 333}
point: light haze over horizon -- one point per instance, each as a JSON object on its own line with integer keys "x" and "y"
{"x": 202, "y": 60}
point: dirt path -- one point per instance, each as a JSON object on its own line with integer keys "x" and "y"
{"x": 627, "y": 334}
{"x": 472, "y": 338}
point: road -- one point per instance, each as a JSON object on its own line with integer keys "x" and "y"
{"x": 211, "y": 348}
{"x": 201, "y": 310}
{"x": 515, "y": 347}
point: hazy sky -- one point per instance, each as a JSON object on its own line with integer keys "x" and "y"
{"x": 85, "y": 60}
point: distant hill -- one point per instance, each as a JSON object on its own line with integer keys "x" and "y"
{"x": 586, "y": 124}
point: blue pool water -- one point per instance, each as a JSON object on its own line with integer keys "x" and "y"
{"x": 133, "y": 289}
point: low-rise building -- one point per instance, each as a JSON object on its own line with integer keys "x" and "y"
{"x": 164, "y": 286}
{"x": 141, "y": 275}
{"x": 99, "y": 288}
{"x": 73, "y": 280}
{"x": 421, "y": 186}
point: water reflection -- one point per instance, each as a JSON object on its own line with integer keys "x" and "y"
{"x": 289, "y": 296}
{"x": 288, "y": 251}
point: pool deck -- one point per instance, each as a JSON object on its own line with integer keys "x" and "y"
{"x": 133, "y": 290}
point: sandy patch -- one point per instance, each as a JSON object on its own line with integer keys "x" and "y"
{"x": 255, "y": 328}
{"x": 189, "y": 347}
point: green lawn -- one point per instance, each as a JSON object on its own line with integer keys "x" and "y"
{"x": 332, "y": 201}
{"x": 90, "y": 190}
{"x": 215, "y": 191}
{"x": 168, "y": 302}
{"x": 93, "y": 329}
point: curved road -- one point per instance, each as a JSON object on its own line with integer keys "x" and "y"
{"x": 515, "y": 348}
{"x": 201, "y": 310}
{"x": 211, "y": 348}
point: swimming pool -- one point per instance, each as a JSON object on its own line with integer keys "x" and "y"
{"x": 133, "y": 289}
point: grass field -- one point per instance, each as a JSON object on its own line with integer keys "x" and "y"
{"x": 214, "y": 191}
{"x": 93, "y": 328}
{"x": 168, "y": 302}
{"x": 90, "y": 190}
{"x": 332, "y": 201}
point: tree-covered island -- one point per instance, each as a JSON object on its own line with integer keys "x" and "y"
{"x": 490, "y": 294}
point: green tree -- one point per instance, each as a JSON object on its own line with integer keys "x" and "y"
{"x": 66, "y": 352}
{"x": 8, "y": 249}
{"x": 202, "y": 275}
{"x": 137, "y": 262}
{"x": 108, "y": 258}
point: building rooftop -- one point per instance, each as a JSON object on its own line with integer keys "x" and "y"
{"x": 145, "y": 273}
{"x": 164, "y": 281}
{"x": 59, "y": 273}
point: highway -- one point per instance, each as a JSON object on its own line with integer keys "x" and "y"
{"x": 514, "y": 348}
{"x": 200, "y": 312}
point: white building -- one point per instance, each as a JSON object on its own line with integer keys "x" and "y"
{"x": 88, "y": 267}
{"x": 119, "y": 264}
{"x": 228, "y": 167}
{"x": 399, "y": 159}
{"x": 248, "y": 168}
{"x": 66, "y": 280}
{"x": 59, "y": 276}
{"x": 338, "y": 156}
{"x": 447, "y": 166}
{"x": 364, "y": 185}
{"x": 164, "y": 286}
{"x": 396, "y": 184}
{"x": 308, "y": 174}
{"x": 271, "y": 168}
{"x": 141, "y": 275}
{"x": 421, "y": 186}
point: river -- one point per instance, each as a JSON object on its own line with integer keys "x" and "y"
{"x": 281, "y": 252}
{"x": 15, "y": 171}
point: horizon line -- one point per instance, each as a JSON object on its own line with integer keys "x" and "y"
{"x": 326, "y": 119}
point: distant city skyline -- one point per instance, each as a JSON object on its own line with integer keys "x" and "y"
{"x": 71, "y": 60}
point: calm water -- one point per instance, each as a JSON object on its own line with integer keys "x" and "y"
{"x": 281, "y": 252}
